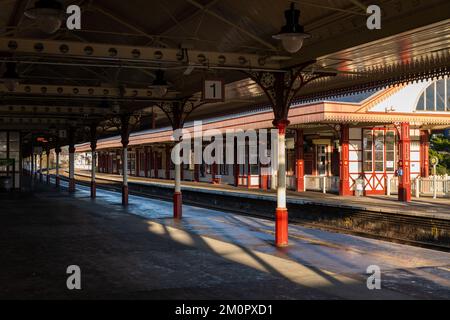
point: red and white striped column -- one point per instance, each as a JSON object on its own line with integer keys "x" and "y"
{"x": 281, "y": 214}
{"x": 404, "y": 164}
{"x": 57, "y": 177}
{"x": 48, "y": 165}
{"x": 177, "y": 198}
{"x": 125, "y": 174}
{"x": 72, "y": 168}
{"x": 424, "y": 151}
{"x": 300, "y": 163}
{"x": 72, "y": 159}
{"x": 344, "y": 164}
{"x": 125, "y": 135}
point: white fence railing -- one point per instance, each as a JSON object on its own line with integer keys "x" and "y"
{"x": 435, "y": 186}
{"x": 322, "y": 183}
{"x": 291, "y": 182}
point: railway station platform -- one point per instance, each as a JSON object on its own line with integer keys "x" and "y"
{"x": 139, "y": 251}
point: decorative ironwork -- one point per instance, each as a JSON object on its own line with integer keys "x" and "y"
{"x": 382, "y": 78}
{"x": 281, "y": 88}
{"x": 336, "y": 129}
{"x": 178, "y": 111}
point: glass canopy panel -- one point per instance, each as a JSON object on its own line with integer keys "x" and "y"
{"x": 440, "y": 95}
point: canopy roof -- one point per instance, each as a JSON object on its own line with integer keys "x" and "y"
{"x": 413, "y": 43}
{"x": 382, "y": 107}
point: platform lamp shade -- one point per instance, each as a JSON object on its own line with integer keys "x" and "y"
{"x": 292, "y": 34}
{"x": 48, "y": 15}
{"x": 10, "y": 78}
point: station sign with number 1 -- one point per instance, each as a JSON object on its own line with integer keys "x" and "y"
{"x": 213, "y": 90}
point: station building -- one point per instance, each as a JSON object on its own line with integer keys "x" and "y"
{"x": 356, "y": 144}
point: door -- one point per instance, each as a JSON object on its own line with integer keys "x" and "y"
{"x": 322, "y": 160}
{"x": 379, "y": 158}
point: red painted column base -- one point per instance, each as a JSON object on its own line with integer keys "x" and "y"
{"x": 124, "y": 195}
{"x": 344, "y": 188}
{"x": 264, "y": 182}
{"x": 300, "y": 173}
{"x": 196, "y": 173}
{"x": 71, "y": 185}
{"x": 404, "y": 194}
{"x": 93, "y": 190}
{"x": 281, "y": 227}
{"x": 177, "y": 205}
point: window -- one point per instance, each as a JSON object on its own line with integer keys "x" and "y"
{"x": 421, "y": 103}
{"x": 440, "y": 95}
{"x": 435, "y": 98}
{"x": 225, "y": 169}
{"x": 290, "y": 162}
{"x": 3, "y": 149}
{"x": 10, "y": 149}
{"x": 447, "y": 95}
{"x": 379, "y": 150}
{"x": 367, "y": 146}
{"x": 430, "y": 98}
{"x": 132, "y": 163}
{"x": 390, "y": 151}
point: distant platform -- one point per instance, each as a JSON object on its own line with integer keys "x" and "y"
{"x": 422, "y": 207}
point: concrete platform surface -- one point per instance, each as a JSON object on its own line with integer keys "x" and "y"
{"x": 139, "y": 252}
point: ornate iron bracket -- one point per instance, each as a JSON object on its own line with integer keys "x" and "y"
{"x": 398, "y": 128}
{"x": 336, "y": 129}
{"x": 281, "y": 88}
{"x": 178, "y": 111}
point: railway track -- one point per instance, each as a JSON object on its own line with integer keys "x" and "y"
{"x": 367, "y": 217}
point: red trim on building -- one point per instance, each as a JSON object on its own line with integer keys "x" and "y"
{"x": 404, "y": 181}
{"x": 138, "y": 163}
{"x": 344, "y": 170}
{"x": 146, "y": 162}
{"x": 167, "y": 162}
{"x": 424, "y": 151}
{"x": 300, "y": 161}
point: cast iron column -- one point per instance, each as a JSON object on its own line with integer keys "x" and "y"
{"x": 280, "y": 88}
{"x": 125, "y": 135}
{"x": 424, "y": 151}
{"x": 196, "y": 172}
{"x": 177, "y": 112}
{"x": 344, "y": 171}
{"x": 137, "y": 164}
{"x": 281, "y": 214}
{"x": 72, "y": 160}
{"x": 32, "y": 166}
{"x": 36, "y": 172}
{"x": 57, "y": 178}
{"x": 404, "y": 173}
{"x": 300, "y": 162}
{"x": 146, "y": 162}
{"x": 167, "y": 162}
{"x": 40, "y": 167}
{"x": 47, "y": 152}
{"x": 93, "y": 131}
